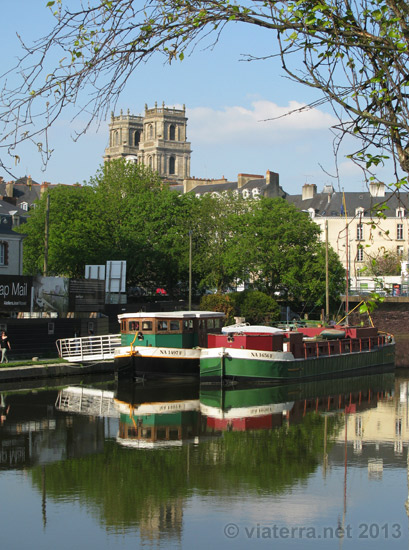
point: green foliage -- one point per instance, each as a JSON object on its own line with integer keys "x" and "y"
{"x": 280, "y": 253}
{"x": 218, "y": 302}
{"x": 127, "y": 213}
{"x": 256, "y": 307}
{"x": 74, "y": 238}
{"x": 127, "y": 488}
{"x": 216, "y": 230}
{"x": 124, "y": 213}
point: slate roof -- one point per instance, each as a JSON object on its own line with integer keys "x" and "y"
{"x": 230, "y": 186}
{"x": 331, "y": 204}
{"x": 24, "y": 190}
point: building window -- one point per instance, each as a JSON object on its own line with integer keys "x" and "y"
{"x": 4, "y": 253}
{"x": 24, "y": 206}
{"x": 172, "y": 132}
{"x": 360, "y": 212}
{"x": 360, "y": 254}
{"x": 399, "y": 251}
{"x": 359, "y": 232}
{"x": 136, "y": 138}
{"x": 400, "y": 213}
{"x": 150, "y": 131}
{"x": 172, "y": 165}
{"x": 116, "y": 138}
{"x": 399, "y": 231}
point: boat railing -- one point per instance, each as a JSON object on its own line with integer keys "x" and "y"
{"x": 342, "y": 346}
{"x": 89, "y": 348}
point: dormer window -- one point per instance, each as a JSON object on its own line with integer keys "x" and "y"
{"x": 311, "y": 212}
{"x": 360, "y": 212}
{"x": 24, "y": 206}
{"x": 400, "y": 213}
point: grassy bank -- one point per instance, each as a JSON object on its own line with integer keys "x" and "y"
{"x": 30, "y": 362}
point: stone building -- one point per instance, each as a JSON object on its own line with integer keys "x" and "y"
{"x": 158, "y": 139}
{"x": 361, "y": 224}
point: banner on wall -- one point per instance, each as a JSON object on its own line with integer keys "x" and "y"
{"x": 15, "y": 292}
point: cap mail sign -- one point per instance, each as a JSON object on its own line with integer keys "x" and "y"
{"x": 15, "y": 292}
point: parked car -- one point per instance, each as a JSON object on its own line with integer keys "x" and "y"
{"x": 161, "y": 292}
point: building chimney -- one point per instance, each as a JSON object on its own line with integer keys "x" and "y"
{"x": 377, "y": 189}
{"x": 10, "y": 188}
{"x": 309, "y": 190}
{"x": 273, "y": 181}
{"x": 242, "y": 179}
{"x": 44, "y": 187}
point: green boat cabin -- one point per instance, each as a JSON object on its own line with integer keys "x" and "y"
{"x": 175, "y": 329}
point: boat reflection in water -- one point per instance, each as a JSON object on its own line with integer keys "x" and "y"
{"x": 261, "y": 407}
{"x": 158, "y": 415}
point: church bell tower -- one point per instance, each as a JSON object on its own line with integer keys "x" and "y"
{"x": 158, "y": 139}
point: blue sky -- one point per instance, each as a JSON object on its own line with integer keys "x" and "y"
{"x": 227, "y": 103}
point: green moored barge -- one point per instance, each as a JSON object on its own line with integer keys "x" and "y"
{"x": 241, "y": 354}
{"x": 164, "y": 344}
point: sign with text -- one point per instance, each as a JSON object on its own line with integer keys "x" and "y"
{"x": 86, "y": 295}
{"x": 15, "y": 292}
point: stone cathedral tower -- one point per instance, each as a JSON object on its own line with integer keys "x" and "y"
{"x": 157, "y": 140}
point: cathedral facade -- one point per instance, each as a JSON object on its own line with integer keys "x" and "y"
{"x": 158, "y": 140}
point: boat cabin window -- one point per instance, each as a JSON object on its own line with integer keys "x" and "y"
{"x": 188, "y": 324}
{"x": 174, "y": 325}
{"x": 146, "y": 325}
{"x": 162, "y": 325}
{"x": 123, "y": 326}
{"x": 217, "y": 322}
{"x": 133, "y": 326}
{"x": 210, "y": 323}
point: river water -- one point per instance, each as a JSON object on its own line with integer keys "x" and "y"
{"x": 313, "y": 465}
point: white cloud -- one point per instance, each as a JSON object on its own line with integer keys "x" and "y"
{"x": 265, "y": 123}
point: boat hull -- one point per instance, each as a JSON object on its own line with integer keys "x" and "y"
{"x": 154, "y": 363}
{"x": 220, "y": 364}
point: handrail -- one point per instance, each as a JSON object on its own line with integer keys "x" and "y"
{"x": 88, "y": 348}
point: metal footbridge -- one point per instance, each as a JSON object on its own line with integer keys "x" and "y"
{"x": 89, "y": 348}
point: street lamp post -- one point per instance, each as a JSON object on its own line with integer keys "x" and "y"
{"x": 190, "y": 270}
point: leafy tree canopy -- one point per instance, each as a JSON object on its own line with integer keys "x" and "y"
{"x": 126, "y": 212}
{"x": 280, "y": 253}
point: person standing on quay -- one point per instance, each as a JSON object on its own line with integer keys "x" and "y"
{"x": 4, "y": 346}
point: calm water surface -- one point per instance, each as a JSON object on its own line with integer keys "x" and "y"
{"x": 314, "y": 465}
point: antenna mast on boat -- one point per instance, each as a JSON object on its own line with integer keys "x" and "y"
{"x": 190, "y": 270}
{"x": 326, "y": 274}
